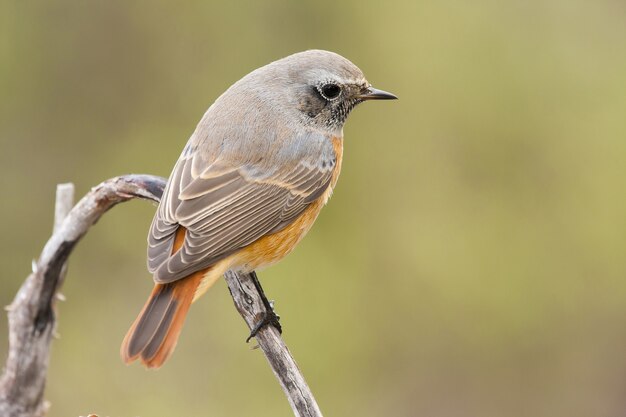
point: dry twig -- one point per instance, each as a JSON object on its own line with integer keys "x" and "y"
{"x": 32, "y": 315}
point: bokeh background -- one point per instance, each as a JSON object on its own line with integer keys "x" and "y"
{"x": 471, "y": 262}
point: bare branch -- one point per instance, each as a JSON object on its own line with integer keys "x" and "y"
{"x": 250, "y": 306}
{"x": 62, "y": 207}
{"x": 32, "y": 315}
{"x": 63, "y": 204}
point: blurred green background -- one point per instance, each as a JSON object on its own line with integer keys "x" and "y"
{"x": 472, "y": 261}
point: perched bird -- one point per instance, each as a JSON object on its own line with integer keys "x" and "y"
{"x": 247, "y": 187}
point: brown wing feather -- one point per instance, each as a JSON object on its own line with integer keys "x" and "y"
{"x": 224, "y": 210}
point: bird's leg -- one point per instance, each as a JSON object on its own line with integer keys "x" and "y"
{"x": 270, "y": 317}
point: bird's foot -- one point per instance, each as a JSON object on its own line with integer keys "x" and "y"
{"x": 270, "y": 318}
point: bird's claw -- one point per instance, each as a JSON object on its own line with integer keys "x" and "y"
{"x": 269, "y": 318}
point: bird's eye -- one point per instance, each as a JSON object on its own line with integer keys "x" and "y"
{"x": 330, "y": 91}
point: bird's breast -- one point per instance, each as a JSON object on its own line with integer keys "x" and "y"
{"x": 338, "y": 148}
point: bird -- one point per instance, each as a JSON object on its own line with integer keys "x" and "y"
{"x": 247, "y": 187}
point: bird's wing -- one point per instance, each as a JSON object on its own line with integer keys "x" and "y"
{"x": 225, "y": 208}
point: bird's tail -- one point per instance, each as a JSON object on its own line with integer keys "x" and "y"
{"x": 154, "y": 334}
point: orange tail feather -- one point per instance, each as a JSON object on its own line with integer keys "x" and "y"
{"x": 154, "y": 334}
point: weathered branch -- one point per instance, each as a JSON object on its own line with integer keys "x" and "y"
{"x": 32, "y": 318}
{"x": 250, "y": 306}
{"x": 31, "y": 314}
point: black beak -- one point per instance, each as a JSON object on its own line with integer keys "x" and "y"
{"x": 375, "y": 94}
